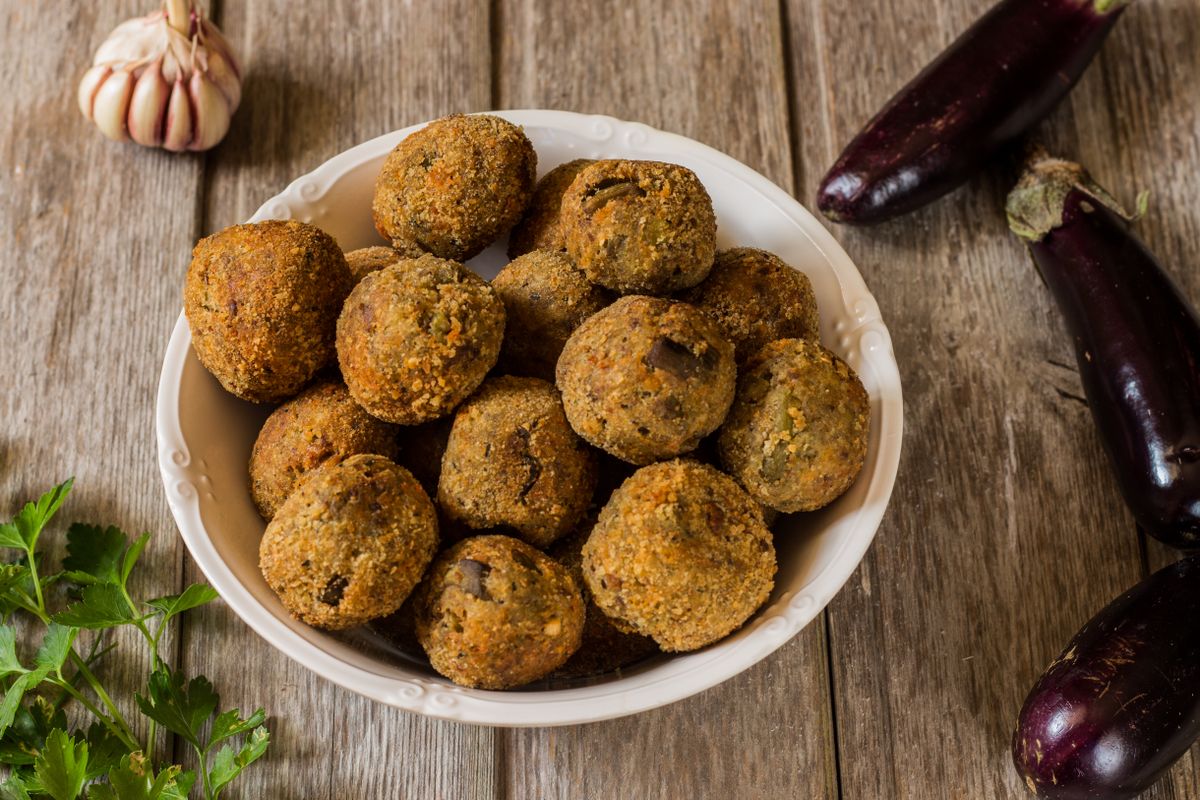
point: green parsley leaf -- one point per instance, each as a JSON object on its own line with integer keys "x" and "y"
{"x": 230, "y": 723}
{"x": 101, "y": 605}
{"x": 132, "y": 555}
{"x": 193, "y": 596}
{"x": 10, "y": 536}
{"x": 12, "y": 698}
{"x": 95, "y": 551}
{"x": 9, "y": 663}
{"x": 228, "y": 762}
{"x": 31, "y": 519}
{"x": 56, "y": 646}
{"x": 132, "y": 779}
{"x": 105, "y": 750}
{"x": 181, "y": 710}
{"x": 13, "y": 788}
{"x": 31, "y": 725}
{"x": 62, "y": 766}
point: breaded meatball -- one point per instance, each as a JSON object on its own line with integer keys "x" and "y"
{"x": 262, "y": 301}
{"x": 680, "y": 554}
{"x": 545, "y": 300}
{"x": 350, "y": 543}
{"x": 513, "y": 462}
{"x": 496, "y": 613}
{"x": 796, "y": 437}
{"x": 415, "y": 338}
{"x": 646, "y": 379}
{"x": 320, "y": 424}
{"x": 757, "y": 298}
{"x": 366, "y": 260}
{"x": 539, "y": 229}
{"x": 639, "y": 227}
{"x": 604, "y": 646}
{"x": 455, "y": 186}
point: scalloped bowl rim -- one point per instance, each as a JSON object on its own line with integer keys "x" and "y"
{"x": 629, "y": 694}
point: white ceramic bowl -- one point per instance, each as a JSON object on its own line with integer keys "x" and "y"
{"x": 205, "y": 435}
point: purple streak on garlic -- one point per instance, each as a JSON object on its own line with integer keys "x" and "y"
{"x": 167, "y": 80}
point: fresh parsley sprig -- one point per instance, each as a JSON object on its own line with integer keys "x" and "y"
{"x": 46, "y": 757}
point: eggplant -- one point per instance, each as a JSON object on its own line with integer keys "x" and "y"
{"x": 994, "y": 83}
{"x": 1137, "y": 341}
{"x": 1122, "y": 702}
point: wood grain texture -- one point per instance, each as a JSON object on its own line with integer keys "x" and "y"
{"x": 1006, "y": 531}
{"x": 713, "y": 71}
{"x": 321, "y": 78}
{"x": 88, "y": 229}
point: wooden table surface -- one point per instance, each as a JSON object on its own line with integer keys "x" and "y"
{"x": 1005, "y": 531}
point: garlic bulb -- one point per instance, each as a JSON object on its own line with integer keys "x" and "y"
{"x": 167, "y": 80}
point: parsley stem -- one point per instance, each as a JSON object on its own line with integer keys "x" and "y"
{"x": 109, "y": 723}
{"x": 88, "y": 676}
{"x": 203, "y": 764}
{"x": 37, "y": 582}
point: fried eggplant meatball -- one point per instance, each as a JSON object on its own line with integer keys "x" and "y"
{"x": 604, "y": 646}
{"x": 539, "y": 229}
{"x": 639, "y": 227}
{"x": 496, "y": 613}
{"x": 350, "y": 543}
{"x": 646, "y": 379}
{"x": 545, "y": 300}
{"x": 415, "y": 338}
{"x": 455, "y": 186}
{"x": 320, "y": 424}
{"x": 680, "y": 554}
{"x": 262, "y": 301}
{"x": 796, "y": 437}
{"x": 366, "y": 260}
{"x": 757, "y": 298}
{"x": 513, "y": 462}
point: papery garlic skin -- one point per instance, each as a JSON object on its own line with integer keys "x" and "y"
{"x": 162, "y": 85}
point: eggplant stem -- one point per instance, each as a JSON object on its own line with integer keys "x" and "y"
{"x": 1035, "y": 205}
{"x": 179, "y": 15}
{"x": 1108, "y": 6}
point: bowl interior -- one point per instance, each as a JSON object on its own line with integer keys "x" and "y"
{"x": 205, "y": 436}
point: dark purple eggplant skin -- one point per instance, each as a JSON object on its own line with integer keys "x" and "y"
{"x": 1137, "y": 343}
{"x": 1122, "y": 702}
{"x": 994, "y": 83}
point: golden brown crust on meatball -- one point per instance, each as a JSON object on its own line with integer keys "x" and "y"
{"x": 415, "y": 338}
{"x": 455, "y": 186}
{"x": 496, "y": 613}
{"x": 322, "y": 423}
{"x": 646, "y": 378}
{"x": 539, "y": 229}
{"x": 545, "y": 300}
{"x": 262, "y": 301}
{"x": 796, "y": 437}
{"x": 756, "y": 298}
{"x": 366, "y": 260}
{"x": 639, "y": 227}
{"x": 604, "y": 646}
{"x": 350, "y": 543}
{"x": 513, "y": 462}
{"x": 680, "y": 554}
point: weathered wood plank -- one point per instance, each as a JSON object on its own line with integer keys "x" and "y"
{"x": 1006, "y": 531}
{"x": 711, "y": 70}
{"x": 321, "y": 78}
{"x": 90, "y": 231}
